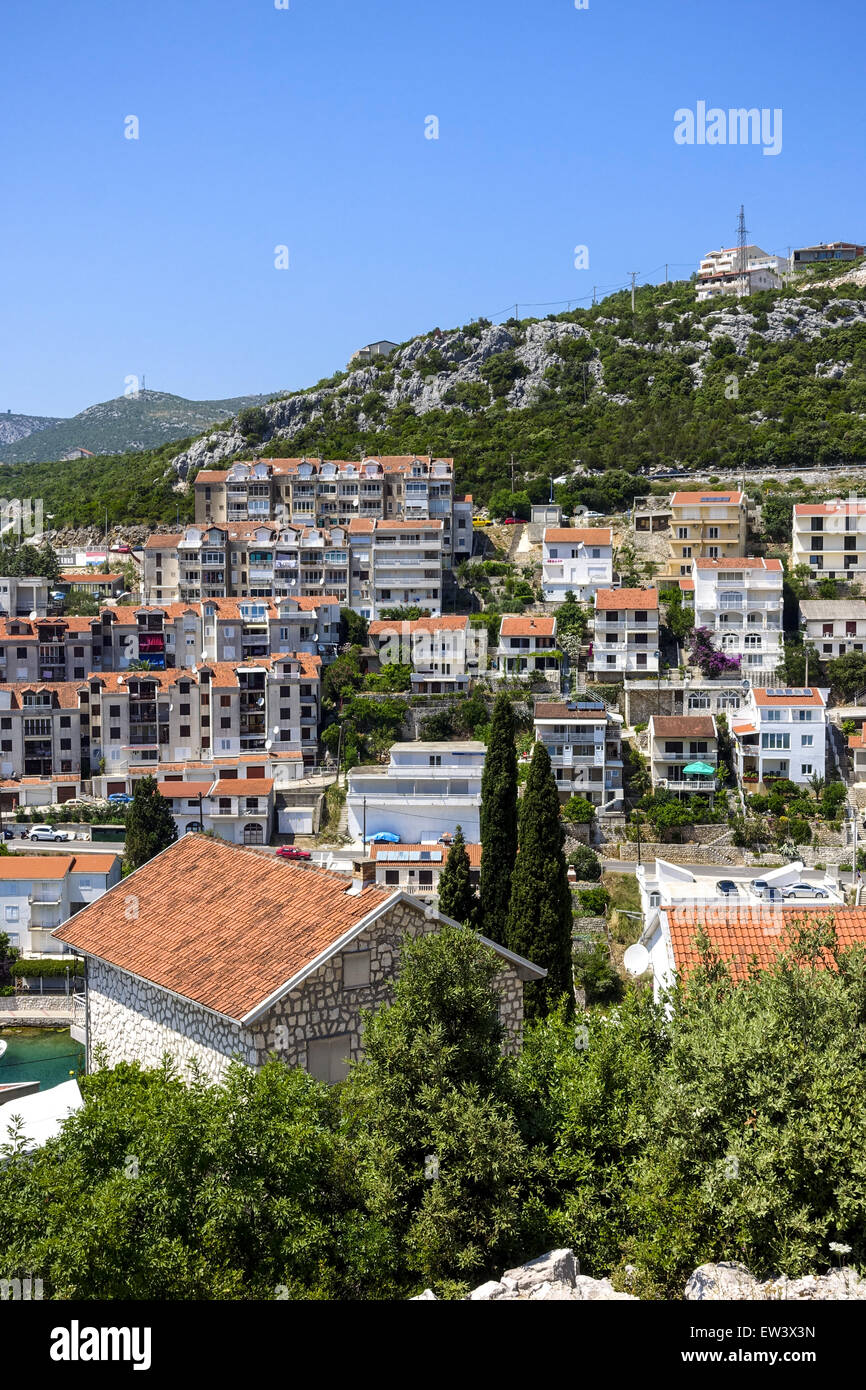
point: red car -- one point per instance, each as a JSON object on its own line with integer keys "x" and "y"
{"x": 511, "y": 521}
{"x": 292, "y": 852}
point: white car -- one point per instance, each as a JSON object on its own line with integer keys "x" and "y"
{"x": 804, "y": 890}
{"x": 47, "y": 832}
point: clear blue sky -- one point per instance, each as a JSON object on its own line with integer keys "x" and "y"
{"x": 305, "y": 127}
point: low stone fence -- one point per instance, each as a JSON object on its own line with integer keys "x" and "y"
{"x": 36, "y": 1011}
{"x": 674, "y": 854}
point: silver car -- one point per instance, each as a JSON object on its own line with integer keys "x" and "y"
{"x": 804, "y": 890}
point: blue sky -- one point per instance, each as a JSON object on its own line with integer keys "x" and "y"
{"x": 305, "y": 127}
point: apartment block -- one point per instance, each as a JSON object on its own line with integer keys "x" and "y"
{"x": 577, "y": 559}
{"x": 833, "y": 251}
{"x": 705, "y": 526}
{"x": 527, "y": 647}
{"x": 39, "y": 892}
{"x": 45, "y": 649}
{"x": 740, "y": 272}
{"x": 40, "y": 729}
{"x": 830, "y": 537}
{"x": 584, "y": 742}
{"x": 426, "y": 791}
{"x": 834, "y": 626}
{"x": 240, "y": 809}
{"x": 328, "y": 493}
{"x": 24, "y": 595}
{"x": 781, "y": 733}
{"x": 396, "y": 564}
{"x": 677, "y": 745}
{"x": 626, "y": 639}
{"x": 740, "y": 602}
{"x": 445, "y": 653}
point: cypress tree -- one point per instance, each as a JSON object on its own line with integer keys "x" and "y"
{"x": 456, "y": 895}
{"x": 150, "y": 824}
{"x": 540, "y": 912}
{"x": 498, "y": 821}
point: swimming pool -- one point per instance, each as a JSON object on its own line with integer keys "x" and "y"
{"x": 46, "y": 1055}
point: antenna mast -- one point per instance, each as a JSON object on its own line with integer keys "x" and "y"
{"x": 742, "y": 257}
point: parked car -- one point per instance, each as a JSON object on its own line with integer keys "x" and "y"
{"x": 119, "y": 799}
{"x": 766, "y": 891}
{"x": 292, "y": 852}
{"x": 511, "y": 521}
{"x": 804, "y": 890}
{"x": 727, "y": 888}
{"x": 47, "y": 832}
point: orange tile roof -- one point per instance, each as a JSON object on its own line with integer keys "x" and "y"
{"x": 374, "y": 851}
{"x": 740, "y": 562}
{"x": 14, "y": 866}
{"x": 856, "y": 741}
{"x": 762, "y": 699}
{"x": 443, "y": 624}
{"x": 164, "y": 542}
{"x": 242, "y": 786}
{"x": 119, "y": 680}
{"x": 184, "y": 789}
{"x": 87, "y": 576}
{"x": 579, "y": 535}
{"x": 687, "y": 585}
{"x": 739, "y": 934}
{"x": 687, "y": 498}
{"x": 841, "y": 507}
{"x": 628, "y": 599}
{"x": 229, "y": 951}
{"x": 65, "y": 693}
{"x": 684, "y": 725}
{"x": 404, "y": 525}
{"x": 744, "y": 728}
{"x": 532, "y": 626}
{"x": 94, "y": 863}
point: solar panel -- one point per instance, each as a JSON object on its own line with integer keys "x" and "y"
{"x": 790, "y": 693}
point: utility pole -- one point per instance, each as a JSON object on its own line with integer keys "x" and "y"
{"x": 593, "y": 294}
{"x": 512, "y": 475}
{"x": 637, "y": 819}
{"x": 633, "y": 274}
{"x": 364, "y": 831}
{"x": 666, "y": 272}
{"x": 806, "y": 682}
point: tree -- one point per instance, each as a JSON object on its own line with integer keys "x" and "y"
{"x": 8, "y": 955}
{"x": 150, "y": 825}
{"x": 586, "y": 864}
{"x": 847, "y": 674}
{"x": 540, "y": 912}
{"x": 353, "y": 628}
{"x": 498, "y": 820}
{"x": 456, "y": 894}
{"x": 680, "y": 619}
{"x": 80, "y": 605}
{"x": 578, "y": 810}
{"x": 343, "y": 676}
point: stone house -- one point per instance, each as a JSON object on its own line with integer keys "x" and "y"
{"x": 213, "y": 951}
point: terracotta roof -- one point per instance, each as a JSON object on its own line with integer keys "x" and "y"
{"x": 687, "y": 586}
{"x": 229, "y": 951}
{"x": 739, "y": 934}
{"x": 841, "y": 507}
{"x": 181, "y": 789}
{"x": 87, "y": 576}
{"x": 578, "y": 535}
{"x": 684, "y": 725}
{"x": 242, "y": 786}
{"x": 626, "y": 599}
{"x": 537, "y": 625}
{"x": 762, "y": 698}
{"x": 65, "y": 693}
{"x": 396, "y": 463}
{"x": 740, "y": 562}
{"x": 360, "y": 525}
{"x": 35, "y": 866}
{"x": 444, "y": 624}
{"x": 743, "y": 728}
{"x": 13, "y": 782}
{"x": 423, "y": 525}
{"x": 164, "y": 542}
{"x": 856, "y": 741}
{"x": 374, "y": 851}
{"x": 558, "y": 709}
{"x": 708, "y": 496}
{"x": 119, "y": 680}
{"x": 94, "y": 863}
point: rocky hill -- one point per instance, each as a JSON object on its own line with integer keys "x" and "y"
{"x": 776, "y": 380}
{"x": 145, "y": 421}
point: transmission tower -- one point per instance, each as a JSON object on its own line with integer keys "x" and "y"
{"x": 742, "y": 256}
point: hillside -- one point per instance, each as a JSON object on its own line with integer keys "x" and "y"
{"x": 776, "y": 381}
{"x": 15, "y": 427}
{"x": 145, "y": 421}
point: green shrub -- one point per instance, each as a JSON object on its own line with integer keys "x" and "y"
{"x": 593, "y": 901}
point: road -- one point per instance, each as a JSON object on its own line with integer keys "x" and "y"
{"x": 715, "y": 871}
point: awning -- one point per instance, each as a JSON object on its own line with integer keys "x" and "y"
{"x": 700, "y": 769}
{"x": 386, "y": 837}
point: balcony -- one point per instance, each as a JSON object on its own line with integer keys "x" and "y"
{"x": 688, "y": 784}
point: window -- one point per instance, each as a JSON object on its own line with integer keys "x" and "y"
{"x": 806, "y": 740}
{"x": 425, "y": 878}
{"x": 773, "y": 715}
{"x": 84, "y": 884}
{"x": 327, "y": 1058}
{"x": 435, "y": 760}
{"x": 356, "y": 968}
{"x": 807, "y": 769}
{"x": 392, "y": 877}
{"x": 780, "y": 741}
{"x": 12, "y": 914}
{"x": 804, "y": 715}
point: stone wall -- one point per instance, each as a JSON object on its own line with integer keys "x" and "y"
{"x": 135, "y": 1021}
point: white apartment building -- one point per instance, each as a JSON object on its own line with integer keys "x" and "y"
{"x": 834, "y": 626}
{"x": 238, "y": 809}
{"x": 576, "y": 558}
{"x": 39, "y": 892}
{"x": 326, "y": 493}
{"x": 721, "y": 272}
{"x": 781, "y": 733}
{"x": 426, "y": 791}
{"x": 416, "y": 868}
{"x": 445, "y": 653}
{"x": 705, "y": 525}
{"x": 680, "y": 742}
{"x": 584, "y": 742}
{"x": 527, "y": 647}
{"x": 830, "y": 537}
{"x": 740, "y": 601}
{"x": 626, "y": 637}
{"x": 22, "y": 595}
{"x": 396, "y": 564}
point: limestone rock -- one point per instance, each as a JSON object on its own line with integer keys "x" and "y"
{"x": 716, "y": 1282}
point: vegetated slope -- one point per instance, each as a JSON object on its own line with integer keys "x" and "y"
{"x": 778, "y": 379}
{"x": 145, "y": 421}
{"x": 15, "y": 427}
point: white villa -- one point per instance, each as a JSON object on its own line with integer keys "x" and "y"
{"x": 740, "y": 601}
{"x": 576, "y": 558}
{"x": 781, "y": 733}
{"x": 426, "y": 791}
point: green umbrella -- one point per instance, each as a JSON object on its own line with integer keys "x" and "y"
{"x": 703, "y": 769}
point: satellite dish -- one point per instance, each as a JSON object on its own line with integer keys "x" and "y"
{"x": 203, "y": 657}
{"x": 636, "y": 959}
{"x": 267, "y": 743}
{"x": 33, "y": 616}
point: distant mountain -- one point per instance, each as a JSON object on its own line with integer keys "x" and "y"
{"x": 15, "y": 427}
{"x": 145, "y": 421}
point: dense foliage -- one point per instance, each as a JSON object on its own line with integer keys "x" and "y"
{"x": 150, "y": 824}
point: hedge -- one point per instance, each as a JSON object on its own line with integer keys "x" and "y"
{"x": 22, "y": 968}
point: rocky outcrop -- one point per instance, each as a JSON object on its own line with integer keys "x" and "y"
{"x": 728, "y": 1280}
{"x": 556, "y": 1276}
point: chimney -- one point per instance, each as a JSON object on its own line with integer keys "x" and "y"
{"x": 363, "y": 873}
